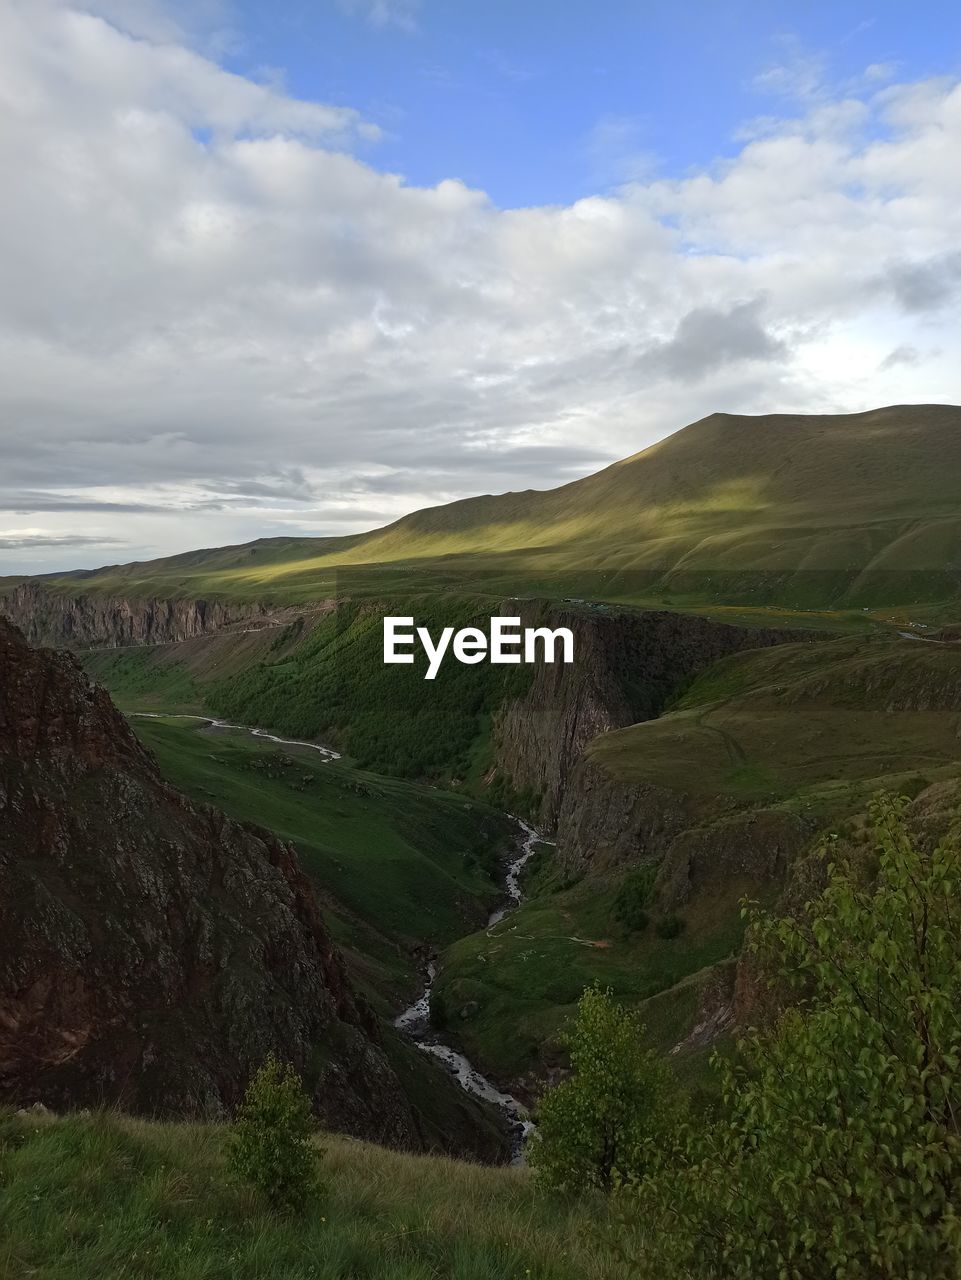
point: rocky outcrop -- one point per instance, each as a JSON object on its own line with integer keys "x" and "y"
{"x": 152, "y": 952}
{"x": 606, "y": 824}
{"x": 68, "y": 621}
{"x": 696, "y": 842}
{"x": 628, "y": 664}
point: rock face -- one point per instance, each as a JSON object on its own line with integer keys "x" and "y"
{"x": 81, "y": 621}
{"x": 697, "y": 843}
{"x": 153, "y": 952}
{"x": 627, "y": 665}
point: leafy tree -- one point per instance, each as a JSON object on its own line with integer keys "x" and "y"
{"x": 596, "y": 1128}
{"x": 272, "y": 1141}
{"x": 839, "y": 1154}
{"x": 633, "y": 899}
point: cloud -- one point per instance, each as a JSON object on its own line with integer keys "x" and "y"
{"x": 385, "y": 13}
{"x": 218, "y": 321}
{"x": 30, "y": 540}
{"x": 902, "y": 355}
{"x": 710, "y": 338}
{"x": 616, "y": 153}
{"x": 927, "y": 285}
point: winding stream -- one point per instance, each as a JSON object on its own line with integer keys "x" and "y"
{"x": 415, "y": 1021}
{"x": 327, "y": 752}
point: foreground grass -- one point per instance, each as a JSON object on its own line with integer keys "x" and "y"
{"x": 111, "y": 1197}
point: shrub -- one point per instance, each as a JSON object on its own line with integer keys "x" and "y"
{"x": 633, "y": 898}
{"x": 597, "y": 1128}
{"x": 670, "y": 927}
{"x": 272, "y": 1139}
{"x": 839, "y": 1153}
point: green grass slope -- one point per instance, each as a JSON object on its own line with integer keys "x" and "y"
{"x": 809, "y": 727}
{"x": 397, "y": 865}
{"x": 797, "y": 510}
{"x": 327, "y": 678}
{"x": 108, "y": 1197}
{"x": 792, "y": 739}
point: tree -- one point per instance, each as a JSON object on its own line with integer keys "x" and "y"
{"x": 839, "y": 1152}
{"x": 272, "y": 1144}
{"x": 596, "y": 1129}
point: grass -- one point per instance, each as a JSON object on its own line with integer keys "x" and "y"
{"x": 397, "y": 864}
{"x": 758, "y": 741}
{"x": 843, "y": 512}
{"x": 107, "y": 1196}
{"x": 817, "y": 727}
{"x": 521, "y": 980}
{"x": 327, "y": 679}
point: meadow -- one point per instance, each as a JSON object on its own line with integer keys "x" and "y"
{"x": 107, "y": 1195}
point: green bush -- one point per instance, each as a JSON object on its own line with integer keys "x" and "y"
{"x": 670, "y": 927}
{"x": 838, "y": 1152}
{"x": 272, "y": 1143}
{"x": 599, "y": 1127}
{"x": 633, "y": 898}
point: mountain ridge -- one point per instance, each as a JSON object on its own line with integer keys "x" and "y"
{"x": 858, "y": 498}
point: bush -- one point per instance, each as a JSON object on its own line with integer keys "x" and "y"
{"x": 670, "y": 927}
{"x": 598, "y": 1127}
{"x": 839, "y": 1151}
{"x": 272, "y": 1139}
{"x": 633, "y": 898}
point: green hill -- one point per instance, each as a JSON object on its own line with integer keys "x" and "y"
{"x": 854, "y": 509}
{"x": 114, "y": 1197}
{"x": 714, "y": 800}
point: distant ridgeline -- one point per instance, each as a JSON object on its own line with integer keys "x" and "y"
{"x": 843, "y": 511}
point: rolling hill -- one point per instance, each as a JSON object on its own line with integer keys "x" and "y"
{"x": 845, "y": 509}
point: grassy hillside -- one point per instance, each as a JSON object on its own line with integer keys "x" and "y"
{"x": 802, "y": 511}
{"x": 326, "y": 677}
{"x": 809, "y": 727}
{"x": 397, "y": 865}
{"x": 111, "y": 1197}
{"x": 764, "y": 745}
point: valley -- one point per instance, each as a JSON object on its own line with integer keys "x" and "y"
{"x": 685, "y": 765}
{"x": 689, "y": 759}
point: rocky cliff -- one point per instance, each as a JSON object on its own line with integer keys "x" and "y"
{"x": 84, "y": 621}
{"x": 698, "y": 844}
{"x": 627, "y": 665}
{"x": 152, "y": 952}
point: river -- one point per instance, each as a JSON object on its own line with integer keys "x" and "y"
{"x": 415, "y": 1020}
{"x": 327, "y": 752}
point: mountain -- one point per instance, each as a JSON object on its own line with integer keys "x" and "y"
{"x": 785, "y": 508}
{"x": 153, "y": 951}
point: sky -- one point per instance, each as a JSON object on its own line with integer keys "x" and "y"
{"x": 300, "y": 268}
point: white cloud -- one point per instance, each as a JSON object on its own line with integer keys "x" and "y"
{"x": 385, "y": 13}
{"x": 216, "y": 322}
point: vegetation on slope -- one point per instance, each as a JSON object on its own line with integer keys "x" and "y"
{"x": 795, "y": 737}
{"x": 328, "y": 680}
{"x": 797, "y": 510}
{"x": 814, "y": 728}
{"x": 505, "y": 993}
{"x": 398, "y": 866}
{"x": 833, "y": 1147}
{"x": 105, "y": 1196}
{"x": 836, "y": 1147}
